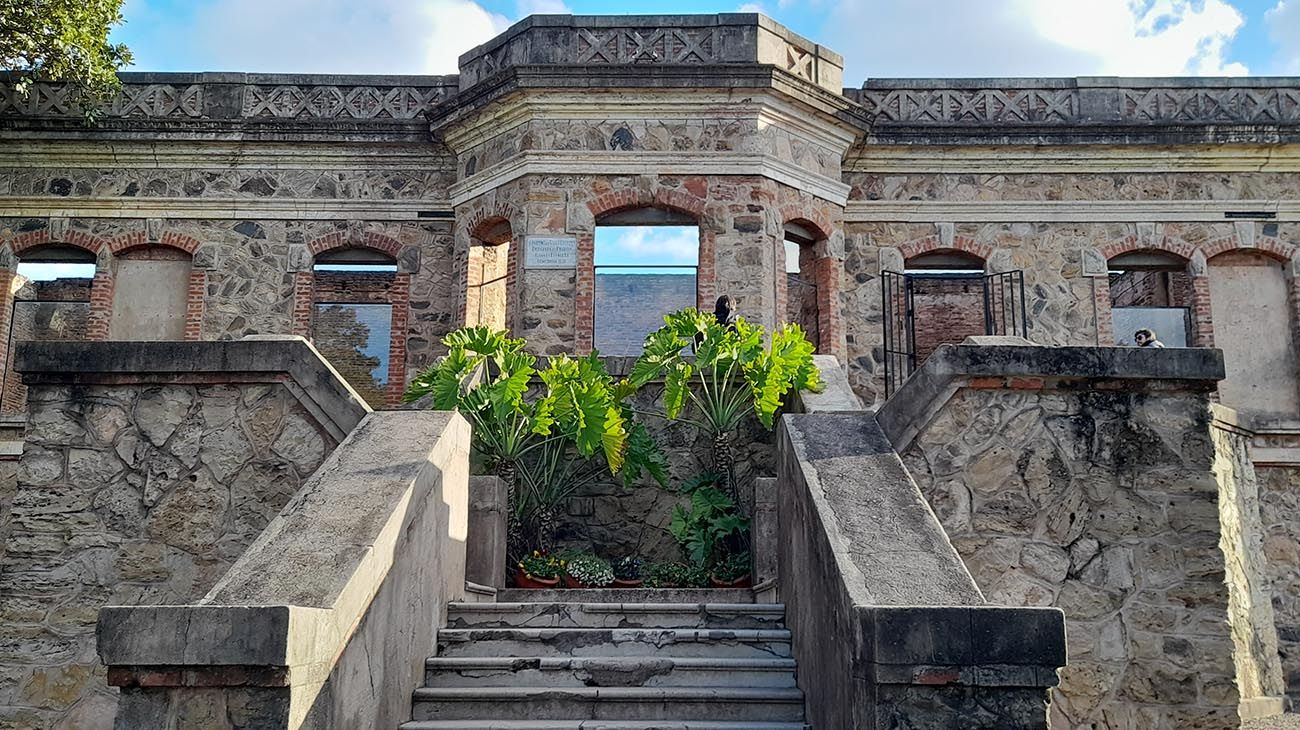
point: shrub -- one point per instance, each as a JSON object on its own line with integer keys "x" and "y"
{"x": 591, "y": 570}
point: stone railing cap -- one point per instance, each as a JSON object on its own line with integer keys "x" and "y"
{"x": 265, "y": 354}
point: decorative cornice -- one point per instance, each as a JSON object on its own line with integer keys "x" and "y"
{"x": 1104, "y": 159}
{"x": 1068, "y": 211}
{"x": 74, "y": 154}
{"x": 583, "y": 162}
{"x": 224, "y": 208}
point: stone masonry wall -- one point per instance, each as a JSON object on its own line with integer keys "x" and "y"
{"x": 131, "y": 494}
{"x": 1103, "y": 503}
{"x": 1279, "y": 497}
{"x": 1254, "y": 634}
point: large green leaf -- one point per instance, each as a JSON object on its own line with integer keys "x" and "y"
{"x": 643, "y": 455}
{"x": 676, "y": 381}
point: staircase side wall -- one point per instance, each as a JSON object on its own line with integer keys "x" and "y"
{"x": 1102, "y": 501}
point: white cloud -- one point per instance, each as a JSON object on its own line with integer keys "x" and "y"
{"x": 1283, "y": 21}
{"x": 644, "y": 245}
{"x": 884, "y": 38}
{"x": 339, "y": 36}
{"x": 754, "y": 8}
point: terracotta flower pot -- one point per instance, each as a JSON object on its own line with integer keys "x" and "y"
{"x": 744, "y": 581}
{"x": 619, "y": 583}
{"x": 524, "y": 580}
{"x": 570, "y": 582}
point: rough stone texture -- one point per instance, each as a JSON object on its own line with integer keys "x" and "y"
{"x": 1279, "y": 494}
{"x": 485, "y": 551}
{"x": 1250, "y": 602}
{"x": 326, "y": 620}
{"x": 864, "y": 559}
{"x": 1102, "y": 503}
{"x": 133, "y": 494}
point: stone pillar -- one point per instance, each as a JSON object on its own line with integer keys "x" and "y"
{"x": 485, "y": 547}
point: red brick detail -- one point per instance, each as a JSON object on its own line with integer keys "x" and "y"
{"x": 932, "y": 244}
{"x": 128, "y": 241}
{"x": 1129, "y": 244}
{"x": 1101, "y": 303}
{"x": 8, "y": 400}
{"x": 584, "y": 295}
{"x": 811, "y": 218}
{"x": 343, "y": 239}
{"x": 194, "y": 304}
{"x": 936, "y": 676}
{"x": 1267, "y": 245}
{"x": 830, "y": 320}
{"x": 483, "y": 221}
{"x": 101, "y": 307}
{"x": 685, "y": 201}
{"x": 76, "y": 239}
{"x": 209, "y": 676}
{"x": 400, "y": 299}
{"x": 1203, "y": 324}
{"x": 302, "y": 303}
{"x": 706, "y": 273}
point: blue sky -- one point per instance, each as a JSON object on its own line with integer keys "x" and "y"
{"x": 881, "y": 38}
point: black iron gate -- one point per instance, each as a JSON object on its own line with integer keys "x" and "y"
{"x": 1005, "y": 313}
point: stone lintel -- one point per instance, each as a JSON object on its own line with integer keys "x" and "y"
{"x": 906, "y": 638}
{"x": 286, "y": 359}
{"x": 952, "y": 367}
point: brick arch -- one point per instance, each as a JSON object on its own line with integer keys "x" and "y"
{"x": 1130, "y": 244}
{"x": 825, "y": 275}
{"x": 664, "y": 198}
{"x": 1269, "y": 246}
{"x": 345, "y": 239}
{"x": 935, "y": 244}
{"x": 815, "y": 220}
{"x": 483, "y": 221}
{"x": 76, "y": 239}
{"x": 135, "y": 240}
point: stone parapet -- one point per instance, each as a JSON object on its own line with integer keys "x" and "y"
{"x": 326, "y": 620}
{"x": 888, "y": 624}
{"x": 1093, "y": 479}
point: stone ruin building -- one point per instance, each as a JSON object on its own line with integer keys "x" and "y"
{"x": 214, "y": 512}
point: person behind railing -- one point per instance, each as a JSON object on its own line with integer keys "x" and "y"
{"x": 1146, "y": 338}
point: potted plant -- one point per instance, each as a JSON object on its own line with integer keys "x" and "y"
{"x": 711, "y": 528}
{"x": 586, "y": 570}
{"x": 539, "y": 571}
{"x": 732, "y": 571}
{"x": 627, "y": 571}
{"x": 675, "y": 575}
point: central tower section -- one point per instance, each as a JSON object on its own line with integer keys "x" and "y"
{"x": 729, "y": 125}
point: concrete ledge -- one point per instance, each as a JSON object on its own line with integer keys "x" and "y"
{"x": 1034, "y": 368}
{"x": 837, "y": 396}
{"x": 290, "y": 360}
{"x": 342, "y": 590}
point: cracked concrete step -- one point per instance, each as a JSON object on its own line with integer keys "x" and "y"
{"x": 609, "y": 672}
{"x": 731, "y": 704}
{"x": 546, "y": 642}
{"x": 616, "y": 615}
{"x": 597, "y": 725}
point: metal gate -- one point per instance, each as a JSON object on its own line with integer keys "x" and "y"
{"x": 1005, "y": 313}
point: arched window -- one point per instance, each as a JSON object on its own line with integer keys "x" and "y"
{"x": 646, "y": 264}
{"x": 801, "y": 296}
{"x": 1253, "y": 325}
{"x": 150, "y": 294}
{"x": 352, "y": 318}
{"x": 948, "y": 304}
{"x": 1151, "y": 290}
{"x": 487, "y": 278}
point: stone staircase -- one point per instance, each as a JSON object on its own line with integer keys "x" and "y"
{"x": 611, "y": 666}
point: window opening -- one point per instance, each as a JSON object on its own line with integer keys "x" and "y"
{"x": 642, "y": 273}
{"x": 352, "y": 317}
{"x": 1151, "y": 290}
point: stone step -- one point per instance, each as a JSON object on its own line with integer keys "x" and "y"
{"x": 608, "y": 672}
{"x": 616, "y": 615}
{"x": 626, "y": 595}
{"x": 551, "y": 642}
{"x": 731, "y": 704}
{"x": 597, "y": 725}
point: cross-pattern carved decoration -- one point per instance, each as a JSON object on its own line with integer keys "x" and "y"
{"x": 660, "y": 45}
{"x": 1261, "y": 105}
{"x": 971, "y": 105}
{"x": 334, "y": 102}
{"x": 136, "y": 100}
{"x": 799, "y": 62}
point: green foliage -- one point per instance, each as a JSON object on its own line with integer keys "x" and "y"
{"x": 588, "y": 569}
{"x": 676, "y": 575}
{"x": 733, "y": 567}
{"x": 704, "y": 530}
{"x": 733, "y": 373}
{"x": 539, "y": 565}
{"x": 628, "y": 567}
{"x": 64, "y": 40}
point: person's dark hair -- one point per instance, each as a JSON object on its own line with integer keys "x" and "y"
{"x": 1145, "y": 334}
{"x": 725, "y": 309}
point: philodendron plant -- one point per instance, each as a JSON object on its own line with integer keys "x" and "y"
{"x": 734, "y": 373}
{"x": 540, "y": 438}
